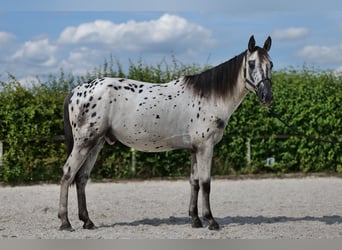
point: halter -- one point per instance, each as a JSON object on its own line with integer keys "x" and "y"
{"x": 255, "y": 86}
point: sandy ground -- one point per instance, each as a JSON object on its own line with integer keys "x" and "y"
{"x": 253, "y": 209}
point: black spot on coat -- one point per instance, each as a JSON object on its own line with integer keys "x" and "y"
{"x": 219, "y": 123}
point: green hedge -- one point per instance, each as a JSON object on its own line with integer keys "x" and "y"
{"x": 309, "y": 100}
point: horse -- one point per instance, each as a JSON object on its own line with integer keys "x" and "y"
{"x": 187, "y": 113}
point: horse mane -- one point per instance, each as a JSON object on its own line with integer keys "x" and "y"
{"x": 219, "y": 81}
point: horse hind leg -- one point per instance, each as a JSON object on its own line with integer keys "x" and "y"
{"x": 74, "y": 162}
{"x": 81, "y": 180}
{"x": 72, "y": 165}
{"x": 63, "y": 201}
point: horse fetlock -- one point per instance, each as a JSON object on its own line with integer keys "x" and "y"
{"x": 88, "y": 224}
{"x": 62, "y": 214}
{"x": 212, "y": 224}
{"x": 196, "y": 223}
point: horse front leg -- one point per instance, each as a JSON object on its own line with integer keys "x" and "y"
{"x": 194, "y": 182}
{"x": 207, "y": 215}
{"x": 204, "y": 160}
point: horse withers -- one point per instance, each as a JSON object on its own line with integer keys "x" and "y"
{"x": 187, "y": 113}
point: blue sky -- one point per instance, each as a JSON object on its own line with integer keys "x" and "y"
{"x": 39, "y": 37}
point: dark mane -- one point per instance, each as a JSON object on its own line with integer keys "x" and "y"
{"x": 219, "y": 81}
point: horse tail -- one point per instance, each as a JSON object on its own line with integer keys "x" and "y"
{"x": 69, "y": 140}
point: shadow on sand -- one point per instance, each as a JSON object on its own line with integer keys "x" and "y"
{"x": 240, "y": 220}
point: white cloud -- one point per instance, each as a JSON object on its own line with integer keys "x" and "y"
{"x": 81, "y": 48}
{"x": 292, "y": 33}
{"x": 40, "y": 52}
{"x": 168, "y": 33}
{"x": 321, "y": 54}
{"x": 80, "y": 61}
{"x": 5, "y": 37}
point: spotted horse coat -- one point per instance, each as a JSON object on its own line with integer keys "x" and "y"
{"x": 142, "y": 115}
{"x": 188, "y": 113}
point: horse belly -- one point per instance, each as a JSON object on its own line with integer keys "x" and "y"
{"x": 152, "y": 141}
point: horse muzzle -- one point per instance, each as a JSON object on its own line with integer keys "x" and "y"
{"x": 265, "y": 92}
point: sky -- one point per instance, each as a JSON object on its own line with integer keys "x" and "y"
{"x": 39, "y": 37}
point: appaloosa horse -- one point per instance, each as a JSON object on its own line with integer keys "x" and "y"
{"x": 188, "y": 113}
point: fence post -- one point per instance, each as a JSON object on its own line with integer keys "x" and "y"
{"x": 1, "y": 152}
{"x": 248, "y": 151}
{"x": 134, "y": 161}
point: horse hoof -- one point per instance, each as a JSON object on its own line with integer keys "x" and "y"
{"x": 66, "y": 227}
{"x": 89, "y": 225}
{"x": 214, "y": 226}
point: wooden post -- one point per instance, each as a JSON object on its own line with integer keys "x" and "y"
{"x": 248, "y": 151}
{"x": 1, "y": 152}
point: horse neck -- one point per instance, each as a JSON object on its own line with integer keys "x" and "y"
{"x": 232, "y": 101}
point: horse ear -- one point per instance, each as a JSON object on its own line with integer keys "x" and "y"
{"x": 268, "y": 43}
{"x": 251, "y": 44}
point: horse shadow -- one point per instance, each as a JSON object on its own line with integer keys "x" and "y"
{"x": 225, "y": 221}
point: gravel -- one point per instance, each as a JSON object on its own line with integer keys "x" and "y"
{"x": 294, "y": 208}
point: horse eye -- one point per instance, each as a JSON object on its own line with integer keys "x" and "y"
{"x": 251, "y": 64}
{"x": 271, "y": 65}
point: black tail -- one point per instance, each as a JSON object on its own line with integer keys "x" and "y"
{"x": 69, "y": 140}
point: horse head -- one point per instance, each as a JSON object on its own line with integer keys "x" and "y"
{"x": 257, "y": 71}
